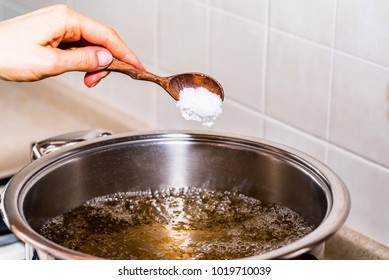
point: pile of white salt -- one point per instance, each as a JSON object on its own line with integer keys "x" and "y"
{"x": 199, "y": 104}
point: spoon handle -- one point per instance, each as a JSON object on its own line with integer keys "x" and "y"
{"x": 133, "y": 72}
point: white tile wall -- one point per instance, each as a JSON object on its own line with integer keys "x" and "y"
{"x": 135, "y": 21}
{"x": 182, "y": 36}
{"x": 249, "y": 122}
{"x": 236, "y": 57}
{"x": 249, "y": 9}
{"x": 306, "y": 18}
{"x": 137, "y": 97}
{"x": 369, "y": 190}
{"x": 36, "y": 4}
{"x": 298, "y": 82}
{"x": 99, "y": 11}
{"x": 279, "y": 132}
{"x": 10, "y": 10}
{"x": 362, "y": 29}
{"x": 313, "y": 75}
{"x": 360, "y": 108}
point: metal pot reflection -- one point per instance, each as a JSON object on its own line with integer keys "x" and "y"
{"x": 67, "y": 177}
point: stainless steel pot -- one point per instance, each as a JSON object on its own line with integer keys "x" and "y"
{"x": 66, "y": 178}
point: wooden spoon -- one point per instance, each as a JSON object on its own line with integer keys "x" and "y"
{"x": 172, "y": 84}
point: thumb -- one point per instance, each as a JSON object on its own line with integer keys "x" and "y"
{"x": 88, "y": 59}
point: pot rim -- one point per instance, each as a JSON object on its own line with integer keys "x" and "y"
{"x": 338, "y": 197}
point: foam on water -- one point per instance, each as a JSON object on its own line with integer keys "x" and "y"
{"x": 187, "y": 223}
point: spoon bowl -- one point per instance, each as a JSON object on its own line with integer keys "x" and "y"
{"x": 172, "y": 84}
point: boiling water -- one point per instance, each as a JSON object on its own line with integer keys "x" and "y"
{"x": 185, "y": 223}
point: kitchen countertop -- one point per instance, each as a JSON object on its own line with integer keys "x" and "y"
{"x": 35, "y": 111}
{"x": 347, "y": 244}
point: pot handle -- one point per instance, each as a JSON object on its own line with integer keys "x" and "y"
{"x": 44, "y": 147}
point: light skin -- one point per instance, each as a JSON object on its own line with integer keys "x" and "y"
{"x": 55, "y": 40}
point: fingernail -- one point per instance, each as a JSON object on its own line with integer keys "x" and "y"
{"x": 103, "y": 75}
{"x": 94, "y": 84}
{"x": 104, "y": 57}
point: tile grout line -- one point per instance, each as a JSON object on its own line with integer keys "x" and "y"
{"x": 361, "y": 59}
{"x": 235, "y": 16}
{"x": 208, "y": 37}
{"x": 331, "y": 83}
{"x": 326, "y": 143}
{"x": 156, "y": 35}
{"x": 265, "y": 68}
{"x": 355, "y": 155}
{"x": 1, "y": 10}
{"x": 156, "y": 63}
{"x": 329, "y": 48}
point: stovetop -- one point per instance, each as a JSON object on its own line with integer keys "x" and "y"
{"x": 11, "y": 248}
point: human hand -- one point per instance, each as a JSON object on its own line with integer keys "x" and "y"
{"x": 55, "y": 40}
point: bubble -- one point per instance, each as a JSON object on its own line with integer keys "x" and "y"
{"x": 176, "y": 223}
